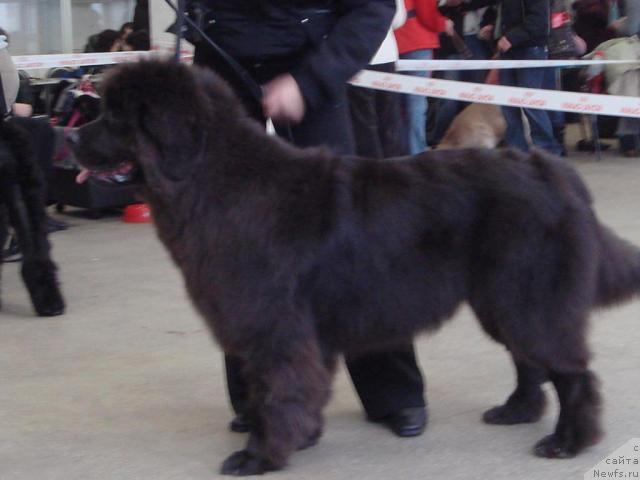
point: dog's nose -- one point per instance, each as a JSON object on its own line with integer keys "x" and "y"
{"x": 73, "y": 138}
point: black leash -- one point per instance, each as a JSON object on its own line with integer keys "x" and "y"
{"x": 3, "y": 102}
{"x": 181, "y": 18}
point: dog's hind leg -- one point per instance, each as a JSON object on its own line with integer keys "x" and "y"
{"x": 578, "y": 424}
{"x": 289, "y": 386}
{"x": 527, "y": 403}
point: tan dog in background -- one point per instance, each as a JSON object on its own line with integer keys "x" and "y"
{"x": 479, "y": 125}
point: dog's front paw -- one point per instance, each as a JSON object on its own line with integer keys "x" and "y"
{"x": 50, "y": 302}
{"x": 243, "y": 463}
{"x": 552, "y": 446}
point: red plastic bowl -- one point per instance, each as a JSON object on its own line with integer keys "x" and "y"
{"x": 137, "y": 213}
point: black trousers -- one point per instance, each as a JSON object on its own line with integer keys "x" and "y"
{"x": 388, "y": 381}
{"x": 376, "y": 118}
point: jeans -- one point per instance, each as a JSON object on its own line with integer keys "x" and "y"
{"x": 539, "y": 123}
{"x": 551, "y": 81}
{"x": 415, "y": 106}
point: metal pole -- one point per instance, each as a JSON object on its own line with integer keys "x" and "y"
{"x": 179, "y": 29}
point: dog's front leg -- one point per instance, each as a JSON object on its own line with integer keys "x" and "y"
{"x": 38, "y": 271}
{"x": 289, "y": 387}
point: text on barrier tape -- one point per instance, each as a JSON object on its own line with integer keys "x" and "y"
{"x": 500, "y": 95}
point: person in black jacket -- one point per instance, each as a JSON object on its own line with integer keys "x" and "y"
{"x": 522, "y": 33}
{"x": 303, "y": 54}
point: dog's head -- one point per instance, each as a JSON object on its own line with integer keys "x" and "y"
{"x": 155, "y": 116}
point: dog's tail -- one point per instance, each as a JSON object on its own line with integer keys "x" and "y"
{"x": 619, "y": 272}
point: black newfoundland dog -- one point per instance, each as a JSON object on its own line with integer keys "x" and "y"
{"x": 293, "y": 256}
{"x": 22, "y": 206}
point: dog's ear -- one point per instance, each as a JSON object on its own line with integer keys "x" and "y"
{"x": 173, "y": 143}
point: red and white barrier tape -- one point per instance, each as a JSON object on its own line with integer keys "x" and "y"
{"x": 433, "y": 65}
{"x": 470, "y": 92}
{"x": 500, "y": 95}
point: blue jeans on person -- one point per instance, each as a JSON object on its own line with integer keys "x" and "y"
{"x": 415, "y": 106}
{"x": 551, "y": 81}
{"x": 447, "y": 109}
{"x": 539, "y": 123}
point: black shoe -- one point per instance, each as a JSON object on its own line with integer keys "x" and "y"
{"x": 54, "y": 225}
{"x": 240, "y": 424}
{"x": 12, "y": 252}
{"x": 408, "y": 422}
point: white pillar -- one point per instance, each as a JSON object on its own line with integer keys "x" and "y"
{"x": 66, "y": 26}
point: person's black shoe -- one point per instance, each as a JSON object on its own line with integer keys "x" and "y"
{"x": 240, "y": 424}
{"x": 54, "y": 225}
{"x": 408, "y": 422}
{"x": 12, "y": 252}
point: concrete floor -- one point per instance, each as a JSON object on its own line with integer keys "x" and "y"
{"x": 128, "y": 384}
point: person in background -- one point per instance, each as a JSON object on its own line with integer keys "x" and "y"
{"x": 141, "y": 15}
{"x": 303, "y": 56}
{"x": 592, "y": 20}
{"x": 106, "y": 41}
{"x": 137, "y": 40}
{"x": 417, "y": 39}
{"x": 125, "y": 30}
{"x": 629, "y": 24}
{"x": 564, "y": 44}
{"x": 522, "y": 33}
{"x": 38, "y": 130}
{"x": 376, "y": 114}
{"x": 628, "y": 130}
{"x": 467, "y": 24}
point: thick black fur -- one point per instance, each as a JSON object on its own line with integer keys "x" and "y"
{"x": 293, "y": 256}
{"x": 22, "y": 207}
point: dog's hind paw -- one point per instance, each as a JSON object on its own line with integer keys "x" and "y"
{"x": 515, "y": 412}
{"x": 243, "y": 463}
{"x": 552, "y": 446}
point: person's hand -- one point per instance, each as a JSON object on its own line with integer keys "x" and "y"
{"x": 486, "y": 33}
{"x": 283, "y": 99}
{"x": 504, "y": 45}
{"x": 22, "y": 109}
{"x": 616, "y": 25}
{"x": 449, "y": 28}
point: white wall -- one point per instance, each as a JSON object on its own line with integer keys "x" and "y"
{"x": 42, "y": 26}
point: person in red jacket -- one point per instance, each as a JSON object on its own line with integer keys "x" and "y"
{"x": 417, "y": 39}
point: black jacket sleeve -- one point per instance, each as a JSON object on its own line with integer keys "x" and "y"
{"x": 349, "y": 46}
{"x": 535, "y": 21}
